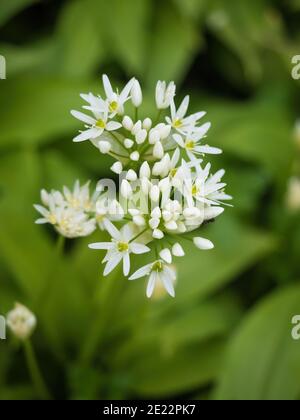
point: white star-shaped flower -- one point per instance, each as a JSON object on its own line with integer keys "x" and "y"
{"x": 120, "y": 248}
{"x": 159, "y": 273}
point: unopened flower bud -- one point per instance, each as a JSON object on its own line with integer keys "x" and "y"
{"x": 158, "y": 150}
{"x": 136, "y": 94}
{"x": 104, "y": 147}
{"x": 127, "y": 123}
{"x": 21, "y": 321}
{"x": 117, "y": 168}
{"x": 203, "y": 243}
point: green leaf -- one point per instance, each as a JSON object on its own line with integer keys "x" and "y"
{"x": 36, "y": 58}
{"x": 158, "y": 375}
{"x": 10, "y": 8}
{"x": 128, "y": 30}
{"x": 237, "y": 247}
{"x": 250, "y": 131}
{"x": 174, "y": 330}
{"x": 81, "y": 47}
{"x": 263, "y": 361}
{"x": 37, "y": 110}
{"x": 173, "y": 46}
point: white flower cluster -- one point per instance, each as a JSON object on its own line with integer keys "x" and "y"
{"x": 165, "y": 191}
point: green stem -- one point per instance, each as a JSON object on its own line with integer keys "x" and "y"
{"x": 139, "y": 234}
{"x": 136, "y": 114}
{"x": 158, "y": 116}
{"x": 105, "y": 301}
{"x": 35, "y": 372}
{"x": 60, "y": 245}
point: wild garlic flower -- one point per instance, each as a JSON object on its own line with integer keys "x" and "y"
{"x": 21, "y": 321}
{"x": 120, "y": 248}
{"x": 71, "y": 212}
{"x": 159, "y": 273}
{"x": 166, "y": 189}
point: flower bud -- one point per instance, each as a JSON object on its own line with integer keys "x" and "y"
{"x": 131, "y": 175}
{"x": 136, "y": 128}
{"x": 158, "y": 234}
{"x": 104, "y": 147}
{"x": 166, "y": 255}
{"x": 154, "y": 136}
{"x": 177, "y": 250}
{"x": 145, "y": 171}
{"x": 136, "y": 94}
{"x": 164, "y": 94}
{"x": 21, "y": 321}
{"x": 141, "y": 136}
{"x": 128, "y": 143}
{"x": 117, "y": 168}
{"x": 147, "y": 124}
{"x": 127, "y": 123}
{"x": 203, "y": 243}
{"x": 135, "y": 156}
{"x": 158, "y": 150}
{"x": 126, "y": 190}
{"x": 154, "y": 193}
{"x": 212, "y": 212}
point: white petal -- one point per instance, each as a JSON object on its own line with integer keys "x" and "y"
{"x": 166, "y": 255}
{"x": 113, "y": 125}
{"x": 142, "y": 272}
{"x": 84, "y": 118}
{"x": 126, "y": 264}
{"x": 168, "y": 284}
{"x": 151, "y": 284}
{"x": 101, "y": 245}
{"x": 85, "y": 135}
{"x": 112, "y": 230}
{"x": 182, "y": 110}
{"x": 178, "y": 139}
{"x": 138, "y": 248}
{"x": 107, "y": 86}
{"x": 208, "y": 150}
{"x": 112, "y": 263}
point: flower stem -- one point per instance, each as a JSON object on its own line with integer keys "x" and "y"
{"x": 139, "y": 234}
{"x": 35, "y": 372}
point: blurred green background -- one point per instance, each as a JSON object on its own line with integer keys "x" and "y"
{"x": 227, "y": 335}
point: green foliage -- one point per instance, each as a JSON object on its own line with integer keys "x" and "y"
{"x": 227, "y": 335}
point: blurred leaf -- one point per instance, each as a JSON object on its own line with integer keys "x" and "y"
{"x": 263, "y": 361}
{"x": 129, "y": 32}
{"x": 176, "y": 329}
{"x": 236, "y": 248}
{"x": 84, "y": 383}
{"x": 241, "y": 26}
{"x": 191, "y": 8}
{"x": 250, "y": 131}
{"x": 81, "y": 50}
{"x": 35, "y": 58}
{"x": 37, "y": 110}
{"x": 20, "y": 392}
{"x": 174, "y": 44}
{"x": 156, "y": 375}
{"x": 10, "y": 8}
{"x": 60, "y": 170}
